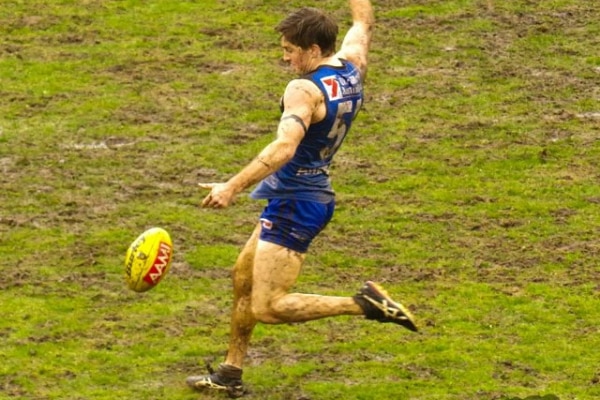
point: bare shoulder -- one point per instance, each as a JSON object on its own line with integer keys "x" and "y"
{"x": 302, "y": 91}
{"x": 304, "y": 99}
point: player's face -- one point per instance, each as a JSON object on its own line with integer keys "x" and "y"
{"x": 296, "y": 57}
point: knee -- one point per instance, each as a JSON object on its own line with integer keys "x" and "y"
{"x": 264, "y": 312}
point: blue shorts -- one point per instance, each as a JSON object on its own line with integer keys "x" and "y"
{"x": 294, "y": 223}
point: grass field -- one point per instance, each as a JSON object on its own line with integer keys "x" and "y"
{"x": 469, "y": 186}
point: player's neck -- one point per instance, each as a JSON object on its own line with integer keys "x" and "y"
{"x": 331, "y": 60}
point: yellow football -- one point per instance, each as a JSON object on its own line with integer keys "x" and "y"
{"x": 148, "y": 259}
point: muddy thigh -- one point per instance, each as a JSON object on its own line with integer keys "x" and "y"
{"x": 276, "y": 269}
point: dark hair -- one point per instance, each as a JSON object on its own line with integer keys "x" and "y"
{"x": 308, "y": 26}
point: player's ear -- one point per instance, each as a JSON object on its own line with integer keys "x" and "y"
{"x": 315, "y": 50}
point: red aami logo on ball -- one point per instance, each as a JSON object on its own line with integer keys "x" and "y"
{"x": 161, "y": 262}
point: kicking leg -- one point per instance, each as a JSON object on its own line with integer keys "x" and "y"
{"x": 276, "y": 269}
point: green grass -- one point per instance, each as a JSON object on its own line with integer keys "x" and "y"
{"x": 468, "y": 186}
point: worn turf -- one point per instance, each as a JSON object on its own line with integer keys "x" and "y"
{"x": 469, "y": 187}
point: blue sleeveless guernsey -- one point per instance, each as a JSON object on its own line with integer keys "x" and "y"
{"x": 306, "y": 175}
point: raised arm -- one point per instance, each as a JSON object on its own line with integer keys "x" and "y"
{"x": 357, "y": 41}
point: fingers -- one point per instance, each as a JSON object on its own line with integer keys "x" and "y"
{"x": 214, "y": 201}
{"x": 207, "y": 201}
{"x": 217, "y": 198}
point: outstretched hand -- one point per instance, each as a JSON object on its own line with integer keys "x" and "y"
{"x": 220, "y": 196}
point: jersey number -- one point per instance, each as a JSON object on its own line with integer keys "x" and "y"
{"x": 338, "y": 132}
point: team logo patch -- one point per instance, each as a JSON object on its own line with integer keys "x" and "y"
{"x": 266, "y": 224}
{"x": 332, "y": 86}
